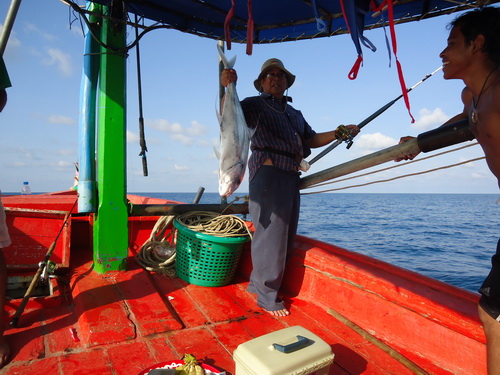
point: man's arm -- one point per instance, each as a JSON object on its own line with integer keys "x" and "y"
{"x": 322, "y": 139}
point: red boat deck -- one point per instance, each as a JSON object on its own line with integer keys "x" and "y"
{"x": 125, "y": 322}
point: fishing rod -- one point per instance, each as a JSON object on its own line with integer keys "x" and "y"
{"x": 349, "y": 139}
{"x": 44, "y": 267}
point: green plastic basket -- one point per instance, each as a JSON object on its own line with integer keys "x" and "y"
{"x": 206, "y": 260}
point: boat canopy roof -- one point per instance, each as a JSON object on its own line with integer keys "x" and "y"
{"x": 283, "y": 20}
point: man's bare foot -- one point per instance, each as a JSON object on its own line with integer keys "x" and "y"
{"x": 4, "y": 352}
{"x": 282, "y": 312}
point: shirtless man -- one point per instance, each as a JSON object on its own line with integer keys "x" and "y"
{"x": 472, "y": 54}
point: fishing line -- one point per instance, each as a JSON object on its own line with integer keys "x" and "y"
{"x": 370, "y": 118}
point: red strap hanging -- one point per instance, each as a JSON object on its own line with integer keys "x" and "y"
{"x": 395, "y": 49}
{"x": 227, "y": 22}
{"x": 355, "y": 68}
{"x": 250, "y": 28}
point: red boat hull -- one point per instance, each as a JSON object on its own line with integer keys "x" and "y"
{"x": 125, "y": 322}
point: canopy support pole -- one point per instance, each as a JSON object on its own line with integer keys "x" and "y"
{"x": 87, "y": 200}
{"x": 111, "y": 224}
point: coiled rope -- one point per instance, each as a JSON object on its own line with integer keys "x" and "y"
{"x": 158, "y": 253}
{"x": 395, "y": 166}
{"x": 215, "y": 224}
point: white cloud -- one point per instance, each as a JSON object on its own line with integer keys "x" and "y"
{"x": 60, "y": 59}
{"x": 368, "y": 143}
{"x": 132, "y": 137}
{"x": 164, "y": 126}
{"x": 64, "y": 164}
{"x": 185, "y": 140}
{"x": 177, "y": 131}
{"x": 61, "y": 120}
{"x": 481, "y": 174}
{"x": 467, "y": 165}
{"x": 32, "y": 28}
{"x": 196, "y": 129}
{"x": 180, "y": 167}
{"x": 430, "y": 120}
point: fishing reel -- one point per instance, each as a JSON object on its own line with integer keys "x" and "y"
{"x": 49, "y": 269}
{"x": 343, "y": 134}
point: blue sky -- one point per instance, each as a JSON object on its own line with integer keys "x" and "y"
{"x": 39, "y": 126}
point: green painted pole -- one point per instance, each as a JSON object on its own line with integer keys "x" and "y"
{"x": 111, "y": 223}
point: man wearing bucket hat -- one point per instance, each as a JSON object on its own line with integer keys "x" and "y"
{"x": 281, "y": 140}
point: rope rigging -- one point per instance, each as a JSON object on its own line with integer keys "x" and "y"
{"x": 395, "y": 166}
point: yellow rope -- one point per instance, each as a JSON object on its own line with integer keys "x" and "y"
{"x": 215, "y": 224}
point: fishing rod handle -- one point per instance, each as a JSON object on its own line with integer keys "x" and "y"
{"x": 26, "y": 298}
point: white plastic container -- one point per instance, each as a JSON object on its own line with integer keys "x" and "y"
{"x": 289, "y": 351}
{"x": 26, "y": 190}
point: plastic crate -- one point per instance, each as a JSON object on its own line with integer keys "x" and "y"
{"x": 206, "y": 260}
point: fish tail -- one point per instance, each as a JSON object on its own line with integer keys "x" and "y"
{"x": 228, "y": 64}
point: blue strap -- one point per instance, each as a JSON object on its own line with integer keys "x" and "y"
{"x": 320, "y": 24}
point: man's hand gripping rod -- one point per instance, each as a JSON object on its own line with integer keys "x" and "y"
{"x": 349, "y": 139}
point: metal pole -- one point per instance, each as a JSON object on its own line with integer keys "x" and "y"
{"x": 8, "y": 24}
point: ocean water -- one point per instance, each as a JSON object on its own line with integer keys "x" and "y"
{"x": 450, "y": 237}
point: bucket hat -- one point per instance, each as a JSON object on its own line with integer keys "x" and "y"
{"x": 269, "y": 64}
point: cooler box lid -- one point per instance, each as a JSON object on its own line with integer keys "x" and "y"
{"x": 293, "y": 350}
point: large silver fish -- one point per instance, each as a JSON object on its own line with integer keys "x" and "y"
{"x": 234, "y": 138}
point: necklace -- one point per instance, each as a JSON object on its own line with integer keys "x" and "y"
{"x": 474, "y": 104}
{"x": 274, "y": 109}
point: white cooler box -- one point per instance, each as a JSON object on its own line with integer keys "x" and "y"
{"x": 289, "y": 351}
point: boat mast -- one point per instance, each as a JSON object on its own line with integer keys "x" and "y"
{"x": 111, "y": 220}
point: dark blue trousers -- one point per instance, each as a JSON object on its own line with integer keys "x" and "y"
{"x": 274, "y": 209}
